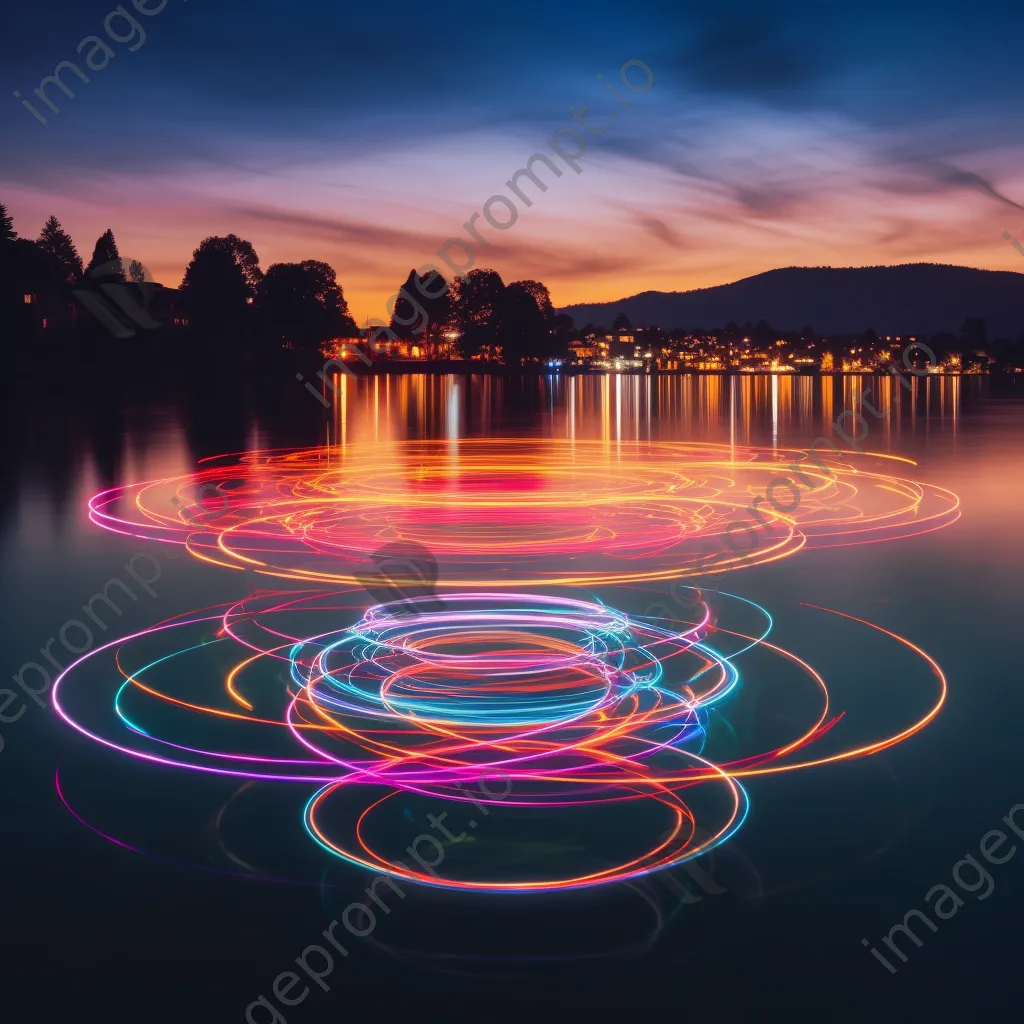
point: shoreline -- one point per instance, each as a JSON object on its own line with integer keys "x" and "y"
{"x": 467, "y": 367}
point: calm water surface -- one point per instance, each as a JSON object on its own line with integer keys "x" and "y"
{"x": 171, "y": 930}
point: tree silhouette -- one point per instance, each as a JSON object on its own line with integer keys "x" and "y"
{"x": 136, "y": 272}
{"x": 423, "y": 309}
{"x": 25, "y": 268}
{"x": 522, "y": 325}
{"x": 477, "y": 309}
{"x": 519, "y": 317}
{"x": 1008, "y": 354}
{"x": 541, "y": 296}
{"x": 302, "y": 305}
{"x": 220, "y": 282}
{"x": 7, "y": 232}
{"x": 53, "y": 239}
{"x": 621, "y": 323}
{"x": 763, "y": 333}
{"x": 974, "y": 333}
{"x": 106, "y": 264}
{"x": 246, "y": 258}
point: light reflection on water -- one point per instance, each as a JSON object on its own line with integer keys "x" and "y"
{"x": 746, "y": 410}
{"x": 53, "y": 463}
{"x": 957, "y": 592}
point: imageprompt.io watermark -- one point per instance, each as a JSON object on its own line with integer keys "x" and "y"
{"x": 78, "y": 637}
{"x": 405, "y": 572}
{"x": 793, "y": 478}
{"x": 943, "y": 900}
{"x": 358, "y": 919}
{"x": 630, "y": 74}
{"x": 120, "y": 306}
{"x": 99, "y": 56}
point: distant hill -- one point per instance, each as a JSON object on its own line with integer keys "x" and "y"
{"x": 918, "y": 298}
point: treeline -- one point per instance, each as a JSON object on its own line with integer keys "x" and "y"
{"x": 49, "y": 268}
{"x": 225, "y": 295}
{"x": 228, "y": 302}
{"x": 476, "y": 314}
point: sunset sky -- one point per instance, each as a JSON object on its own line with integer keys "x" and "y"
{"x": 775, "y": 134}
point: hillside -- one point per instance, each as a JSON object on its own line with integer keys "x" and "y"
{"x": 920, "y": 298}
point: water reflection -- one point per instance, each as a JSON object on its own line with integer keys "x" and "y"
{"x": 92, "y": 433}
{"x": 779, "y": 410}
{"x": 66, "y": 443}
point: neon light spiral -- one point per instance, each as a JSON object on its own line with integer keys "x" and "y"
{"x": 527, "y": 513}
{"x": 576, "y": 706}
{"x": 580, "y": 708}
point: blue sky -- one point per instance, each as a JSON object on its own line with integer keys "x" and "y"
{"x": 776, "y": 133}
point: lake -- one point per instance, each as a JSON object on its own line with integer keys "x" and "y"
{"x": 136, "y": 890}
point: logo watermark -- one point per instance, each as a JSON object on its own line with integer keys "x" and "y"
{"x": 132, "y": 299}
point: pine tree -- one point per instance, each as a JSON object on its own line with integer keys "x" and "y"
{"x": 106, "y": 260}
{"x": 54, "y": 240}
{"x": 7, "y": 232}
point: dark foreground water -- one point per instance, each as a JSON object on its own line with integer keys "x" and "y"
{"x": 129, "y": 890}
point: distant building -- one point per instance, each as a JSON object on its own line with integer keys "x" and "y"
{"x": 590, "y": 347}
